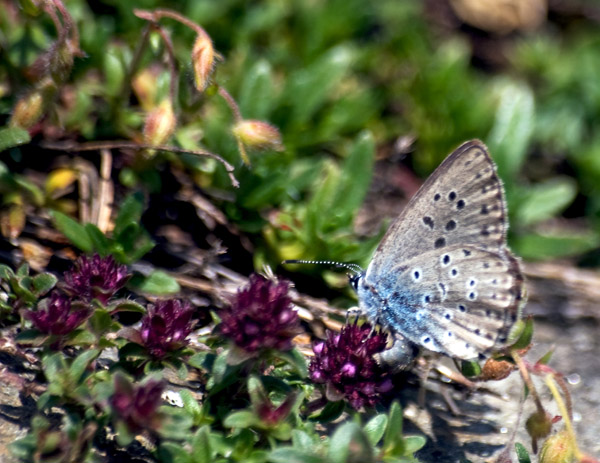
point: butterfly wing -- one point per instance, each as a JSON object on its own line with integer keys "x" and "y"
{"x": 462, "y": 202}
{"x": 461, "y": 302}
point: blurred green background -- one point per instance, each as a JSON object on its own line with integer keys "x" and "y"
{"x": 358, "y": 89}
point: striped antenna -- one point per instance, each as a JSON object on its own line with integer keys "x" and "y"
{"x": 352, "y": 267}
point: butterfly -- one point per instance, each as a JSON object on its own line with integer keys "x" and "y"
{"x": 442, "y": 277}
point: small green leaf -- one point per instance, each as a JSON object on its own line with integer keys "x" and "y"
{"x": 73, "y": 230}
{"x": 545, "y": 200}
{"x": 31, "y": 338}
{"x": 525, "y": 335}
{"x": 100, "y": 241}
{"x": 256, "y": 93}
{"x": 297, "y": 360}
{"x": 241, "y": 419}
{"x": 332, "y": 411}
{"x": 174, "y": 453}
{"x": 201, "y": 446}
{"x": 555, "y": 244}
{"x": 470, "y": 368}
{"x": 510, "y": 135}
{"x": 100, "y": 322}
{"x": 130, "y": 212}
{"x": 545, "y": 359}
{"x": 13, "y": 136}
{"x": 392, "y": 440}
{"x": 43, "y": 283}
{"x": 349, "y": 438}
{"x": 522, "y": 454}
{"x": 126, "y": 305}
{"x": 293, "y": 455}
{"x": 190, "y": 403}
{"x": 375, "y": 428}
{"x": 198, "y": 360}
{"x": 413, "y": 444}
{"x": 159, "y": 283}
{"x": 81, "y": 363}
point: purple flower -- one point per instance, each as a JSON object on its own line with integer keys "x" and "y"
{"x": 137, "y": 405}
{"x": 261, "y": 316}
{"x": 55, "y": 315}
{"x": 95, "y": 278}
{"x": 345, "y": 364}
{"x": 166, "y": 326}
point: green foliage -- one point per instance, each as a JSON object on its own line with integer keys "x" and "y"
{"x": 341, "y": 80}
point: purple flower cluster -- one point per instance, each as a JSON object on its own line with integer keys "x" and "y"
{"x": 345, "y": 364}
{"x": 166, "y": 327}
{"x": 261, "y": 316}
{"x": 91, "y": 278}
{"x": 137, "y": 405}
{"x": 56, "y": 315}
{"x": 95, "y": 278}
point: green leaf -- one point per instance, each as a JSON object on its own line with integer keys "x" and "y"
{"x": 13, "y": 136}
{"x": 130, "y": 212}
{"x": 100, "y": 241}
{"x": 190, "y": 403}
{"x": 375, "y": 428}
{"x": 355, "y": 178}
{"x": 241, "y": 419}
{"x": 293, "y": 455}
{"x": 199, "y": 360}
{"x": 100, "y": 322}
{"x": 545, "y": 200}
{"x": 349, "y": 438}
{"x": 392, "y": 440}
{"x": 330, "y": 412}
{"x": 413, "y": 444}
{"x": 81, "y": 363}
{"x": 160, "y": 283}
{"x": 470, "y": 368}
{"x": 43, "y": 283}
{"x": 73, "y": 230}
{"x": 31, "y": 338}
{"x": 54, "y": 365}
{"x": 256, "y": 93}
{"x": 171, "y": 452}
{"x": 201, "y": 446}
{"x": 545, "y": 359}
{"x": 554, "y": 244}
{"x": 297, "y": 360}
{"x": 510, "y": 135}
{"x": 126, "y": 305}
{"x": 522, "y": 454}
{"x": 525, "y": 335}
{"x": 311, "y": 87}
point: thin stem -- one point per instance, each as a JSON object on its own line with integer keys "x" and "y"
{"x": 527, "y": 379}
{"x": 133, "y": 65}
{"x": 173, "y": 85}
{"x": 235, "y": 109}
{"x": 94, "y": 146}
{"x": 550, "y": 382}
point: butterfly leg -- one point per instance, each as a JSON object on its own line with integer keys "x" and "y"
{"x": 354, "y": 313}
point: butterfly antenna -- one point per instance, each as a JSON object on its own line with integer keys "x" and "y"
{"x": 352, "y": 267}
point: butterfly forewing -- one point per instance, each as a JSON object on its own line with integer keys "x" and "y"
{"x": 462, "y": 202}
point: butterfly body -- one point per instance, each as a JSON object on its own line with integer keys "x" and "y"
{"x": 442, "y": 276}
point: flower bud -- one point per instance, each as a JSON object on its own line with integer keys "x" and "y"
{"x": 258, "y": 134}
{"x": 538, "y": 426}
{"x": 559, "y": 448}
{"x": 160, "y": 124}
{"x": 203, "y": 58}
{"x": 28, "y": 110}
{"x": 144, "y": 85}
